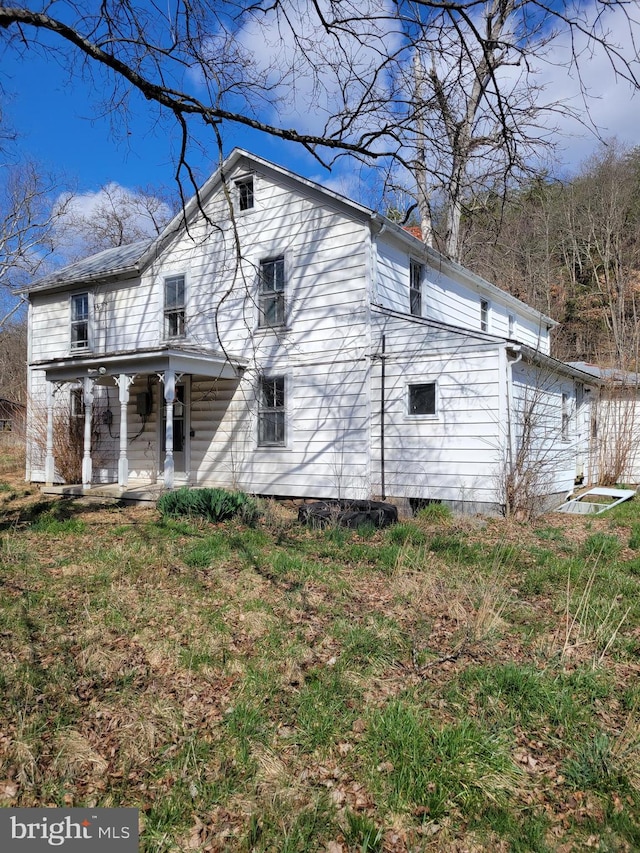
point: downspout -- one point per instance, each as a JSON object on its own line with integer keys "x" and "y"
{"x": 383, "y": 349}
{"x": 511, "y": 451}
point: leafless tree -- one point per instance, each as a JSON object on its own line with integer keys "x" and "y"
{"x": 27, "y": 227}
{"x": 112, "y": 216}
{"x": 442, "y": 93}
{"x": 600, "y": 245}
{"x": 13, "y": 362}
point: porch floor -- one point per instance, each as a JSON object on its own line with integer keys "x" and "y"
{"x": 139, "y": 493}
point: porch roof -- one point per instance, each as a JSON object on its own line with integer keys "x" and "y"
{"x": 209, "y": 363}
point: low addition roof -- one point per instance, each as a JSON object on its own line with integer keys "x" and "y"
{"x": 115, "y": 261}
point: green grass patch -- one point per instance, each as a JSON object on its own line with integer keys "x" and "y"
{"x": 276, "y": 687}
{"x": 415, "y": 764}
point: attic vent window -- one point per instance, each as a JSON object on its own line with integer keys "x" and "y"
{"x": 244, "y": 189}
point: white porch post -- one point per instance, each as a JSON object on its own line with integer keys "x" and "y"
{"x": 49, "y": 462}
{"x": 123, "y": 382}
{"x": 88, "y": 406}
{"x": 169, "y": 399}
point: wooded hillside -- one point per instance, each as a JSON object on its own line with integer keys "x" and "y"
{"x": 571, "y": 249}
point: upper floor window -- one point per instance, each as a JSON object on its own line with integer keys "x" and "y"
{"x": 422, "y": 399}
{"x": 271, "y": 411}
{"x": 484, "y": 315}
{"x": 174, "y": 307}
{"x": 271, "y": 292}
{"x": 566, "y": 418}
{"x": 244, "y": 190}
{"x": 415, "y": 288}
{"x": 80, "y": 321}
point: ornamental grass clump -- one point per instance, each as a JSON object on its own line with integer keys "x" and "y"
{"x": 210, "y": 504}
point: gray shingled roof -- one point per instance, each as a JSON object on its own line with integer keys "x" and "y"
{"x": 611, "y": 374}
{"x": 108, "y": 262}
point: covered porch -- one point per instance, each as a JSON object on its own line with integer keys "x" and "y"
{"x": 170, "y": 367}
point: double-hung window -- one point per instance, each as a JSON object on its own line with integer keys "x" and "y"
{"x": 271, "y": 292}
{"x": 271, "y": 411}
{"x": 80, "y": 321}
{"x": 422, "y": 399}
{"x": 174, "y": 307}
{"x": 415, "y": 288}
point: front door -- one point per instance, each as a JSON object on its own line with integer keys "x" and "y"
{"x": 180, "y": 432}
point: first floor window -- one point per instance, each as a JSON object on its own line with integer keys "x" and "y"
{"x": 76, "y": 416}
{"x": 271, "y": 292}
{"x": 174, "y": 307}
{"x": 422, "y": 399}
{"x": 80, "y": 321}
{"x": 271, "y": 411}
{"x": 415, "y": 289}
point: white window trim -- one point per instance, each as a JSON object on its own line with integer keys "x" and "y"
{"x": 485, "y": 315}
{"x": 163, "y": 335}
{"x": 90, "y": 322}
{"x": 243, "y": 179}
{"x": 414, "y": 416}
{"x": 565, "y": 417}
{"x": 414, "y": 263}
{"x": 288, "y": 409}
{"x": 259, "y": 327}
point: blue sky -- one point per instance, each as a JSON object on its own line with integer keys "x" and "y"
{"x": 60, "y": 124}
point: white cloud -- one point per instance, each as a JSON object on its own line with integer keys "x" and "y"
{"x": 113, "y": 215}
{"x": 605, "y": 103}
{"x": 304, "y": 75}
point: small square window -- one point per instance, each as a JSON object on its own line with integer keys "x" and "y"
{"x": 244, "y": 189}
{"x": 422, "y": 399}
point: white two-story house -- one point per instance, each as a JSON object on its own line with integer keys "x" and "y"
{"x": 282, "y": 339}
